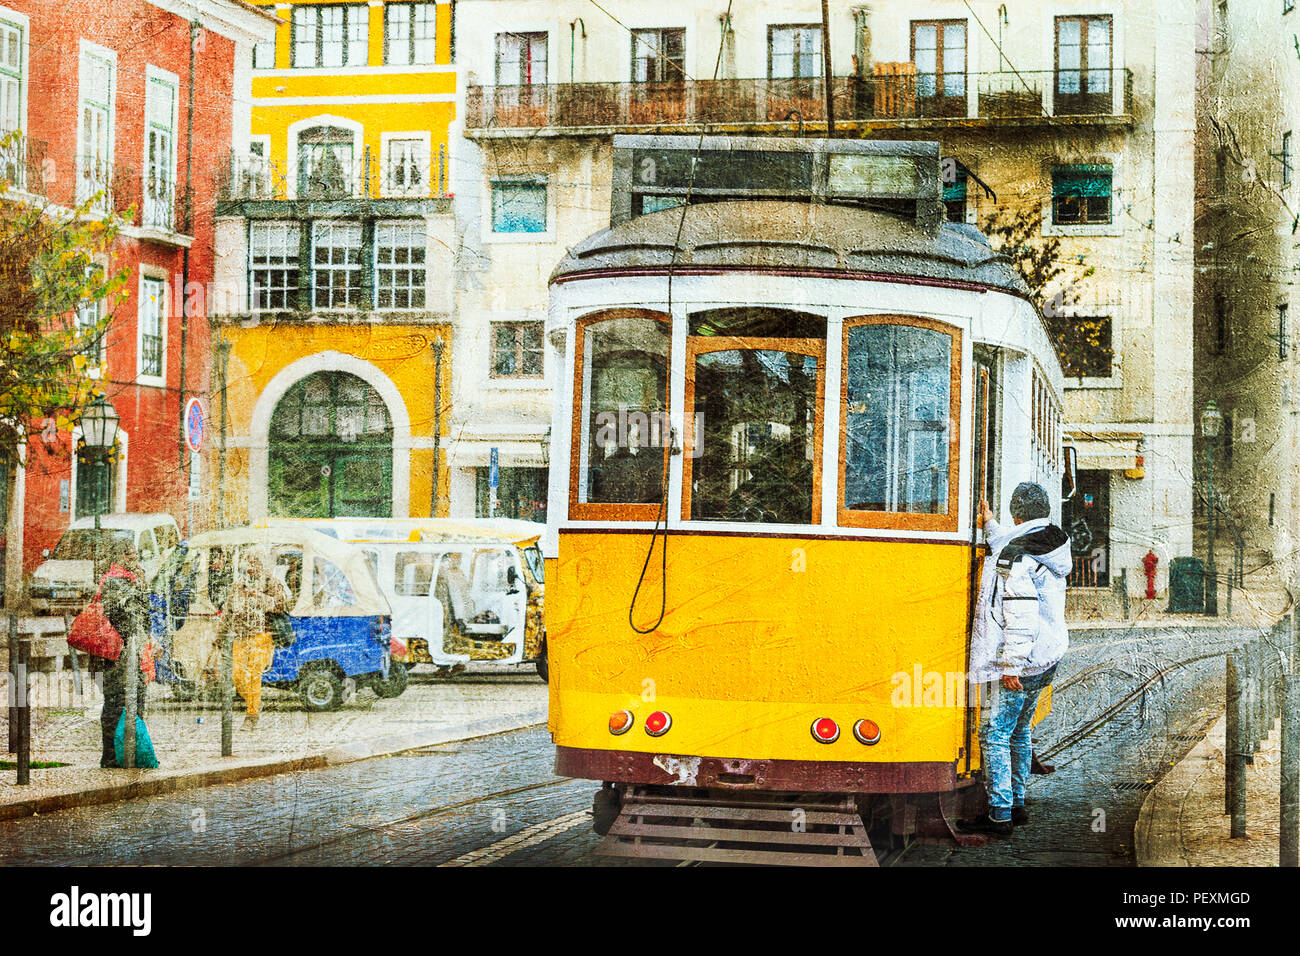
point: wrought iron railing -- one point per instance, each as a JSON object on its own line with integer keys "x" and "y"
{"x": 23, "y": 163}
{"x": 901, "y": 95}
{"x": 252, "y": 177}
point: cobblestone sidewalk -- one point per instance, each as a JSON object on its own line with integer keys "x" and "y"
{"x": 187, "y": 735}
{"x": 1183, "y": 823}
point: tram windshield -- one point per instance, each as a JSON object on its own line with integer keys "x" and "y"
{"x": 624, "y": 411}
{"x": 756, "y": 437}
{"x": 897, "y": 419}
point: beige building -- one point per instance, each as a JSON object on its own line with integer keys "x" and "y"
{"x": 1248, "y": 247}
{"x": 1080, "y": 114}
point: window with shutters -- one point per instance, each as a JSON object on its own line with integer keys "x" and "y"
{"x": 1081, "y": 195}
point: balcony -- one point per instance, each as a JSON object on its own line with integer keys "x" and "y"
{"x": 23, "y": 163}
{"x": 896, "y": 96}
{"x": 152, "y": 206}
{"x": 329, "y": 180}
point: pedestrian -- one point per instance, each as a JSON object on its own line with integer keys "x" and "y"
{"x": 126, "y": 605}
{"x": 1018, "y": 638}
{"x": 254, "y": 596}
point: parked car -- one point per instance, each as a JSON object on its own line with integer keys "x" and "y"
{"x": 65, "y": 581}
{"x": 342, "y": 623}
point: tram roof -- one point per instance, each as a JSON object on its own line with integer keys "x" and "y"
{"x": 744, "y": 235}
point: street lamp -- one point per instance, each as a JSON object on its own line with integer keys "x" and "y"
{"x": 99, "y": 434}
{"x": 438, "y": 345}
{"x": 1211, "y": 424}
{"x": 99, "y": 424}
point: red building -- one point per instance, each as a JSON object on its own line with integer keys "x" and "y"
{"x": 138, "y": 102}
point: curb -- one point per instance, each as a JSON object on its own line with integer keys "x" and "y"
{"x": 155, "y": 785}
{"x": 1158, "y": 834}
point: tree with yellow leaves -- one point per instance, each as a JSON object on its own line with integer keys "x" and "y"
{"x": 55, "y": 265}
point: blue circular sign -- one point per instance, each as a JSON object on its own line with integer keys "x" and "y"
{"x": 194, "y": 424}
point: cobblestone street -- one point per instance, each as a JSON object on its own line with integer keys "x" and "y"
{"x": 495, "y": 801}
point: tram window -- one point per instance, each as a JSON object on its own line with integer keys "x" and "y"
{"x": 622, "y": 374}
{"x": 756, "y": 455}
{"x": 900, "y": 405}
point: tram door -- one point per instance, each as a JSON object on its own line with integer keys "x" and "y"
{"x": 987, "y": 443}
{"x": 984, "y": 478}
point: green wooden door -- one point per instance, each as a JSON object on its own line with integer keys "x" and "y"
{"x": 331, "y": 451}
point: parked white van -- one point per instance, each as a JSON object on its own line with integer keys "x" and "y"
{"x": 65, "y": 581}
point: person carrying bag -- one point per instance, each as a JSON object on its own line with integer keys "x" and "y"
{"x": 123, "y": 605}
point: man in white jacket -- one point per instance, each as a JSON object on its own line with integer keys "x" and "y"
{"x": 1018, "y": 638}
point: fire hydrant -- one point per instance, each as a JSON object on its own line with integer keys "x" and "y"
{"x": 1149, "y": 566}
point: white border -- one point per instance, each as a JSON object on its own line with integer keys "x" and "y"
{"x": 531, "y": 238}
{"x": 21, "y": 21}
{"x": 321, "y": 119}
{"x": 385, "y": 138}
{"x": 1117, "y": 197}
{"x": 151, "y": 274}
{"x": 103, "y": 52}
{"x": 151, "y": 73}
{"x": 119, "y": 474}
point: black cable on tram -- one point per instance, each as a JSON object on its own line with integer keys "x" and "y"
{"x": 672, "y": 432}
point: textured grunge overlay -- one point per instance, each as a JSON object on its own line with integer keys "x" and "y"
{"x": 589, "y": 433}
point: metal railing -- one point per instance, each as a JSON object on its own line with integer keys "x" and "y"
{"x": 252, "y": 177}
{"x": 1042, "y": 94}
{"x": 1261, "y": 686}
{"x": 23, "y": 163}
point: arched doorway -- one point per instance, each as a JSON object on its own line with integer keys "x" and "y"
{"x": 331, "y": 450}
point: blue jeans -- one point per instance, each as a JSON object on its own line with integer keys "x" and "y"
{"x": 1006, "y": 742}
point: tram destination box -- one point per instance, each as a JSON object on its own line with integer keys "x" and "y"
{"x": 652, "y": 173}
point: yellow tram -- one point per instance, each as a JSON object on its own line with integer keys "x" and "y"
{"x": 781, "y": 402}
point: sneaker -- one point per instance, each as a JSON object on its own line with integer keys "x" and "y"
{"x": 1019, "y": 816}
{"x": 985, "y": 824}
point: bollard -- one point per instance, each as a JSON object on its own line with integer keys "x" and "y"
{"x": 76, "y": 663}
{"x": 24, "y": 718}
{"x": 1232, "y": 734}
{"x": 132, "y": 654}
{"x": 13, "y": 677}
{"x": 1289, "y": 798}
{"x": 1123, "y": 589}
{"x": 1237, "y": 755}
{"x": 227, "y": 693}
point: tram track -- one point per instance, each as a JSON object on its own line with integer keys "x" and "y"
{"x": 367, "y": 830}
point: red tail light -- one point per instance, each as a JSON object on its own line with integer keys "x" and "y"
{"x": 621, "y": 722}
{"x": 867, "y": 732}
{"x": 825, "y": 730}
{"x": 657, "y": 724}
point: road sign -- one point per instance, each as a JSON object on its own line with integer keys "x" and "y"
{"x": 194, "y": 476}
{"x": 194, "y": 424}
{"x": 494, "y": 479}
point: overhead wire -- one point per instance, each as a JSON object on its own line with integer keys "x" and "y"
{"x": 669, "y": 451}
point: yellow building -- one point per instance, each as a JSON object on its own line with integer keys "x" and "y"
{"x": 334, "y": 280}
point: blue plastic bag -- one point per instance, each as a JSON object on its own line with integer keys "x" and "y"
{"x": 145, "y": 758}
